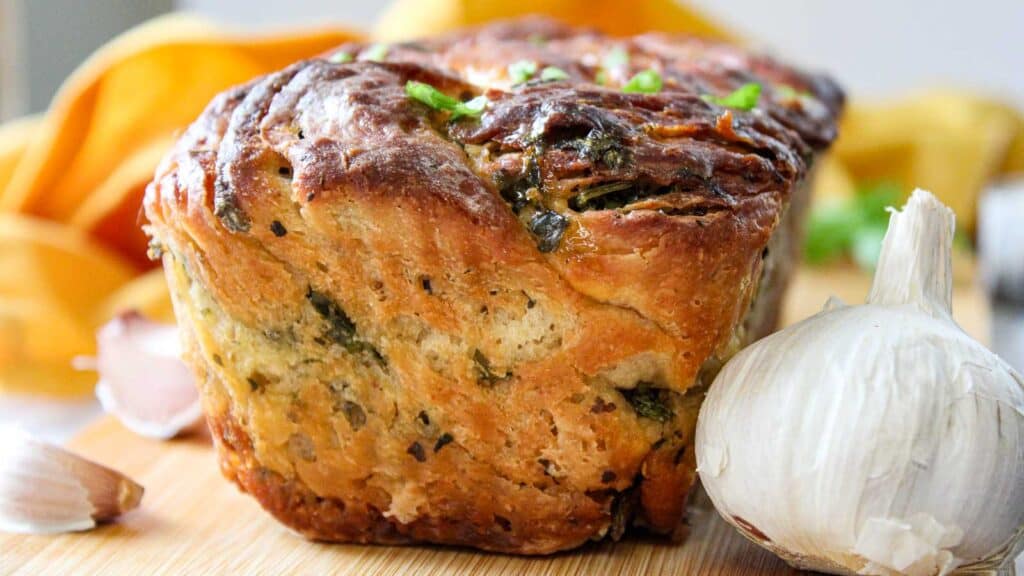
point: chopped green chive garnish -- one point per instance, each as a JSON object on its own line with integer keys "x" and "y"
{"x": 743, "y": 98}
{"x": 429, "y": 95}
{"x": 438, "y": 100}
{"x": 601, "y": 77}
{"x": 340, "y": 57}
{"x": 375, "y": 53}
{"x": 646, "y": 82}
{"x": 617, "y": 57}
{"x": 552, "y": 74}
{"x": 473, "y": 108}
{"x": 537, "y": 39}
{"x": 522, "y": 71}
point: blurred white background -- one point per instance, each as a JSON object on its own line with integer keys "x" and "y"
{"x": 876, "y": 48}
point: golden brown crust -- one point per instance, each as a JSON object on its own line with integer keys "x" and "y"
{"x": 331, "y": 519}
{"x": 411, "y": 328}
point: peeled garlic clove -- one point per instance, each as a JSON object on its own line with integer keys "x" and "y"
{"x": 46, "y": 489}
{"x": 143, "y": 381}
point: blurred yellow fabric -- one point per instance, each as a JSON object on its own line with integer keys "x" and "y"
{"x": 408, "y": 19}
{"x": 951, "y": 143}
{"x": 71, "y": 180}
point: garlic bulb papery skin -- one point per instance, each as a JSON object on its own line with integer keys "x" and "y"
{"x": 874, "y": 439}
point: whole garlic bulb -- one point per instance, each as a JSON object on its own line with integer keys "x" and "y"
{"x": 874, "y": 439}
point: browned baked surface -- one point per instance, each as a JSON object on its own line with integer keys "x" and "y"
{"x": 478, "y": 331}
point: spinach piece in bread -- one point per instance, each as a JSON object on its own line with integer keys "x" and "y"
{"x": 416, "y": 450}
{"x": 341, "y": 329}
{"x": 548, "y": 227}
{"x": 600, "y": 146}
{"x": 444, "y": 440}
{"x": 354, "y": 414}
{"x": 484, "y": 372}
{"x": 587, "y": 199}
{"x": 649, "y": 402}
{"x": 227, "y": 210}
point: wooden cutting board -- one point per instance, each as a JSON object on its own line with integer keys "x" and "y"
{"x": 194, "y": 522}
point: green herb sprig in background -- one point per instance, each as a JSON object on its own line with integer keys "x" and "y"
{"x": 851, "y": 226}
{"x": 854, "y": 227}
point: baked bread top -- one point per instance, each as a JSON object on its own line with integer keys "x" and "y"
{"x": 510, "y": 306}
{"x": 689, "y": 181}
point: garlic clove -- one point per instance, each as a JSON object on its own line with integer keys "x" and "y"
{"x": 143, "y": 381}
{"x": 46, "y": 489}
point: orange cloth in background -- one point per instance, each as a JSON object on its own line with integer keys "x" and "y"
{"x": 71, "y": 184}
{"x": 71, "y": 180}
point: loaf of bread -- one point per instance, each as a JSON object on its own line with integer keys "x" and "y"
{"x": 491, "y": 329}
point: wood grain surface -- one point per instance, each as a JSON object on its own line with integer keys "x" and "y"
{"x": 194, "y": 522}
